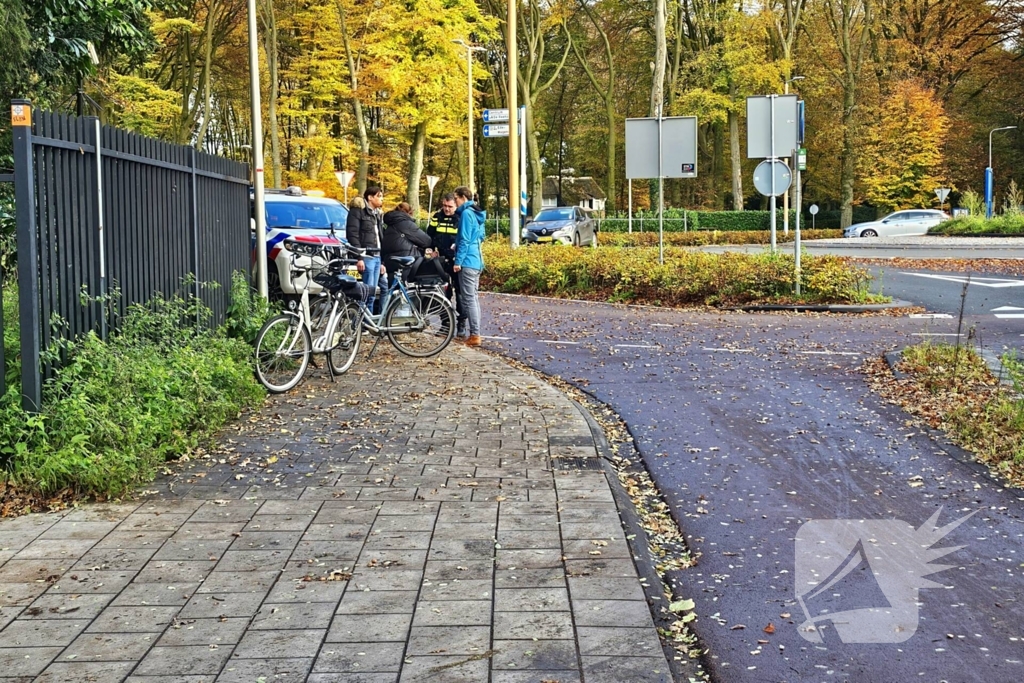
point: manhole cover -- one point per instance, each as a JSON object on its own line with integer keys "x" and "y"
{"x": 576, "y": 463}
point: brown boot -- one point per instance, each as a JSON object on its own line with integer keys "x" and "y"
{"x": 474, "y": 340}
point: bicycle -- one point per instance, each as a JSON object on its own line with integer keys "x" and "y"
{"x": 330, "y": 325}
{"x": 417, "y": 318}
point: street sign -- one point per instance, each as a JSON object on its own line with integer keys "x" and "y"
{"x": 431, "y": 181}
{"x": 801, "y": 159}
{"x": 344, "y": 177}
{"x": 759, "y": 126}
{"x": 495, "y": 130}
{"x": 813, "y": 210}
{"x": 499, "y": 115}
{"x": 942, "y": 193}
{"x": 763, "y": 177}
{"x": 678, "y": 147}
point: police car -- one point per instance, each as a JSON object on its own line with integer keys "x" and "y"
{"x": 299, "y": 224}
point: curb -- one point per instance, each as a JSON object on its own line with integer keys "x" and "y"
{"x": 825, "y": 308}
{"x": 635, "y": 535}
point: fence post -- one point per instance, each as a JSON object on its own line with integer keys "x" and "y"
{"x": 195, "y": 229}
{"x": 101, "y": 247}
{"x": 28, "y": 256}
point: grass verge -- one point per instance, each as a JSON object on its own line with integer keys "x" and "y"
{"x": 1010, "y": 224}
{"x": 952, "y": 389}
{"x": 686, "y": 278}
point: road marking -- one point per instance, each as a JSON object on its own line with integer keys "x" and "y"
{"x": 710, "y": 348}
{"x": 981, "y": 281}
{"x": 671, "y": 325}
{"x": 635, "y": 346}
{"x": 556, "y": 341}
{"x": 1007, "y": 308}
{"x": 1010, "y": 315}
{"x": 831, "y": 353}
{"x": 936, "y": 334}
{"x": 930, "y": 316}
{"x": 496, "y": 338}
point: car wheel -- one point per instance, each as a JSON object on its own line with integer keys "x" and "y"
{"x": 868, "y": 233}
{"x": 593, "y": 240}
{"x": 575, "y": 239}
{"x": 274, "y": 291}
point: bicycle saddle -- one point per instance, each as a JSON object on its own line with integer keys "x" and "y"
{"x": 403, "y": 261}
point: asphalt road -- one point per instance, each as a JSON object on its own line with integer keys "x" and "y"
{"x": 753, "y": 425}
{"x": 922, "y": 247}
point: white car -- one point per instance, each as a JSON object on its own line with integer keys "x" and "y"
{"x": 908, "y": 222}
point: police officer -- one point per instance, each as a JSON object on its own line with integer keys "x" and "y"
{"x": 443, "y": 228}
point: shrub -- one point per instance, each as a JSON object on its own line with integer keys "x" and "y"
{"x": 1008, "y": 224}
{"x": 703, "y": 237}
{"x": 686, "y": 277}
{"x": 118, "y": 409}
{"x": 700, "y": 220}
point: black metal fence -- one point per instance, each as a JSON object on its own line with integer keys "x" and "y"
{"x": 102, "y": 210}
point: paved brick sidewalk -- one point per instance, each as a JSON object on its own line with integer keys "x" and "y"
{"x": 403, "y": 524}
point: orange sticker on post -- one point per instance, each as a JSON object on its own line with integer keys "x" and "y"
{"x": 21, "y": 115}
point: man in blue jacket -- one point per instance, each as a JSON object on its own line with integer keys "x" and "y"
{"x": 469, "y": 260}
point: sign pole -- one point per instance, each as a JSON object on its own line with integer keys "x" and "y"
{"x": 796, "y": 226}
{"x": 630, "y": 214}
{"x": 512, "y": 50}
{"x": 431, "y": 182}
{"x": 661, "y": 197}
{"x": 522, "y": 161}
{"x": 257, "y": 154}
{"x": 771, "y": 99}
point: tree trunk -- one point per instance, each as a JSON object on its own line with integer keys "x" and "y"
{"x": 609, "y": 109}
{"x": 848, "y": 166}
{"x": 536, "y": 198}
{"x": 736, "y": 161}
{"x": 412, "y": 186}
{"x": 270, "y": 48}
{"x": 357, "y": 105}
{"x": 207, "y": 65}
{"x": 463, "y": 162}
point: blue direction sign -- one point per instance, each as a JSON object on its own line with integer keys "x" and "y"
{"x": 495, "y": 130}
{"x": 495, "y": 115}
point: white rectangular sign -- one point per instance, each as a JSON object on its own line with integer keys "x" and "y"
{"x": 495, "y": 130}
{"x": 759, "y": 126}
{"x": 678, "y": 147}
{"x": 495, "y": 115}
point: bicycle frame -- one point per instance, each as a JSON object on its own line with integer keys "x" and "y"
{"x": 374, "y": 323}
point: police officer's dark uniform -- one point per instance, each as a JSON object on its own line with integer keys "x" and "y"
{"x": 443, "y": 230}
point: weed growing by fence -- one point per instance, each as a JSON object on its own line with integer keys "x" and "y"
{"x": 118, "y": 409}
{"x": 686, "y": 278}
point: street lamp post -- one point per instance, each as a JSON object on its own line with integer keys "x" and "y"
{"x": 470, "y": 49}
{"x": 257, "y": 155}
{"x": 989, "y": 180}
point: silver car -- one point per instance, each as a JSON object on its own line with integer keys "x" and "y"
{"x": 898, "y": 224}
{"x": 564, "y": 224}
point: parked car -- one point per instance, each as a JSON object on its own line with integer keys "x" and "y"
{"x": 298, "y": 223}
{"x": 909, "y": 222}
{"x": 563, "y": 224}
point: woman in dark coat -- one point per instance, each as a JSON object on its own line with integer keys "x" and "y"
{"x": 402, "y": 237}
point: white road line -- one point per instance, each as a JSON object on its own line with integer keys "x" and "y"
{"x": 1007, "y": 308}
{"x": 556, "y": 341}
{"x": 635, "y": 346}
{"x": 496, "y": 338}
{"x": 980, "y": 281}
{"x": 669, "y": 324}
{"x": 930, "y": 316}
{"x": 831, "y": 353}
{"x": 1010, "y": 315}
{"x": 936, "y": 334}
{"x": 709, "y": 348}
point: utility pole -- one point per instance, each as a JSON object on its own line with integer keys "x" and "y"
{"x": 257, "y": 155}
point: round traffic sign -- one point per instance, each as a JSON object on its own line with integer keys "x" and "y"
{"x": 763, "y": 177}
{"x": 813, "y": 209}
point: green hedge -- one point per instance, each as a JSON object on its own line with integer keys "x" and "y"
{"x": 725, "y": 221}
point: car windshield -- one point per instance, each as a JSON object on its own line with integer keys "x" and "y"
{"x": 554, "y": 215}
{"x": 304, "y": 215}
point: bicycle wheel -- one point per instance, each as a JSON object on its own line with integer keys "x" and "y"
{"x": 438, "y": 331}
{"x": 348, "y": 333}
{"x": 283, "y": 348}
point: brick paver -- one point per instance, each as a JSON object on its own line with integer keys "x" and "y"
{"x": 406, "y": 523}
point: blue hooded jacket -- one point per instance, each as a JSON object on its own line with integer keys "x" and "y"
{"x": 470, "y": 236}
